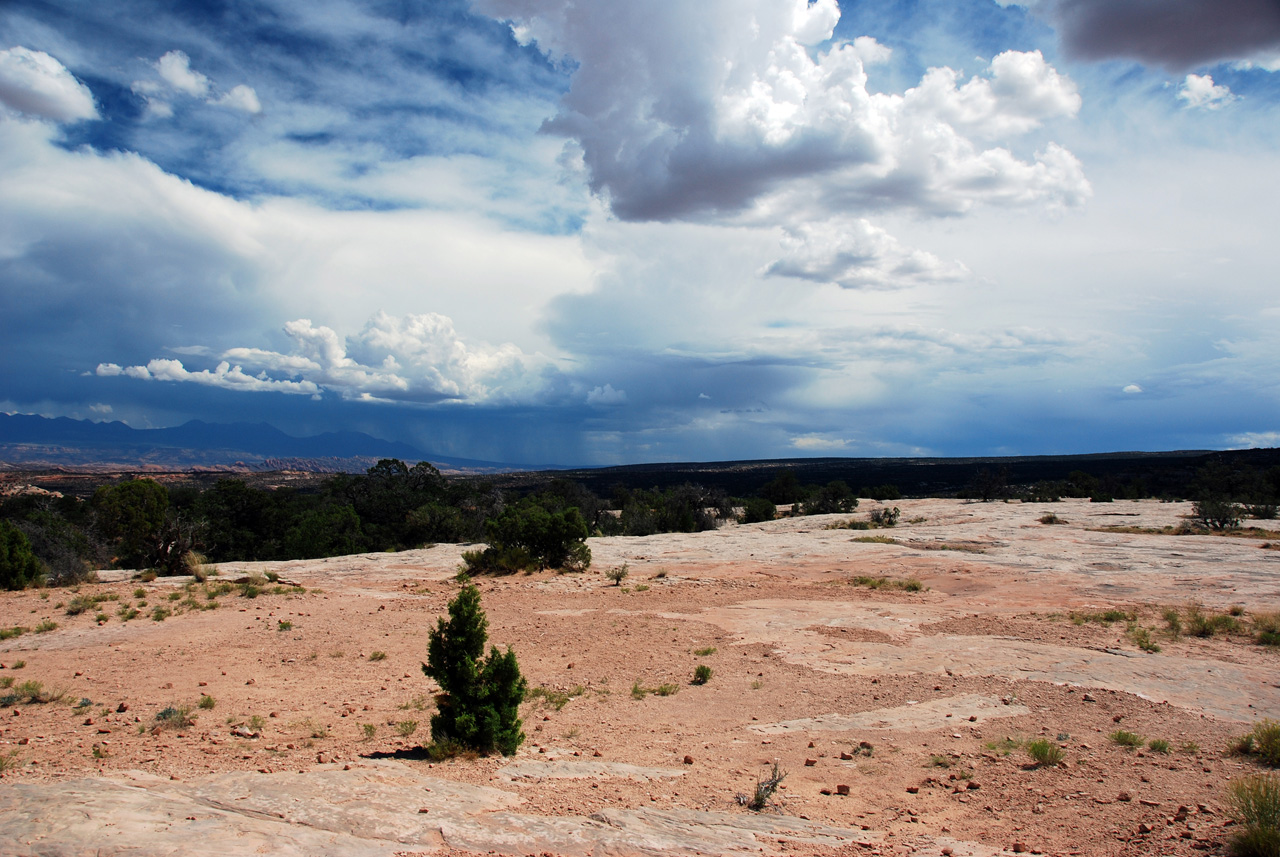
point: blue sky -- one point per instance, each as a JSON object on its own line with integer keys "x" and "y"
{"x": 541, "y": 231}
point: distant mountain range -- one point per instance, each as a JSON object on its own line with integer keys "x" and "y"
{"x": 30, "y": 442}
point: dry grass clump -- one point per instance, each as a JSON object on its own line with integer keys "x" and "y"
{"x": 1255, "y": 803}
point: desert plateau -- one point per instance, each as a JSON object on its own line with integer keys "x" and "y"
{"x": 901, "y": 715}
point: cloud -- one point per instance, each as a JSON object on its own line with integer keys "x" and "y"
{"x": 241, "y": 98}
{"x": 224, "y": 375}
{"x": 415, "y": 359}
{"x": 1200, "y": 91}
{"x": 857, "y": 255}
{"x": 1176, "y": 34}
{"x": 725, "y": 108}
{"x": 34, "y": 83}
{"x": 178, "y": 77}
{"x": 1131, "y": 389}
{"x": 606, "y": 395}
{"x": 175, "y": 68}
{"x": 1256, "y": 440}
{"x": 819, "y": 443}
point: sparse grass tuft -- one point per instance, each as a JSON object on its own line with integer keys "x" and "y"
{"x": 1263, "y": 741}
{"x": 8, "y": 761}
{"x": 1142, "y": 638}
{"x": 909, "y": 584}
{"x": 284, "y": 625}
{"x": 702, "y": 653}
{"x": 159, "y": 614}
{"x": 378, "y": 656}
{"x": 174, "y": 717}
{"x": 369, "y": 730}
{"x": 1050, "y": 518}
{"x": 405, "y": 728}
{"x": 1105, "y": 617}
{"x": 1004, "y": 746}
{"x": 1125, "y": 738}
{"x": 1201, "y": 624}
{"x": 701, "y": 674}
{"x": 1045, "y": 753}
{"x": 1255, "y": 803}
{"x": 9, "y": 633}
{"x": 207, "y": 702}
{"x": 1158, "y": 745}
{"x": 417, "y": 703}
{"x": 46, "y": 626}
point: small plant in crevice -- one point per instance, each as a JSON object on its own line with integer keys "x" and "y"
{"x": 766, "y": 786}
{"x": 1141, "y": 638}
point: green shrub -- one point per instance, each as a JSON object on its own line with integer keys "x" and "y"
{"x": 617, "y": 575}
{"x": 1125, "y": 738}
{"x": 701, "y": 674}
{"x": 1218, "y": 514}
{"x": 1255, "y": 803}
{"x": 756, "y": 510}
{"x": 479, "y": 705}
{"x": 46, "y": 626}
{"x": 207, "y": 702}
{"x": 1045, "y": 753}
{"x": 19, "y": 567}
{"x": 1158, "y": 745}
{"x": 405, "y": 728}
{"x": 529, "y": 536}
{"x": 885, "y": 516}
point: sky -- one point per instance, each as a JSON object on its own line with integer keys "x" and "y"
{"x": 556, "y": 232}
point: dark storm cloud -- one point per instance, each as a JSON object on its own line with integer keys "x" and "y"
{"x": 1176, "y": 34}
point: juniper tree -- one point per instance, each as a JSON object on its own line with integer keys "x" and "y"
{"x": 479, "y": 706}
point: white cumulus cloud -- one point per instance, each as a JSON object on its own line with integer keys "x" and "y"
{"x": 606, "y": 395}
{"x": 857, "y": 255}
{"x": 716, "y": 109}
{"x": 241, "y": 98}
{"x": 35, "y": 83}
{"x": 415, "y": 358}
{"x": 177, "y": 77}
{"x": 1199, "y": 90}
{"x": 175, "y": 68}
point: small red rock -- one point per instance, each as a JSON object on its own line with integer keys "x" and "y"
{"x": 809, "y": 763}
{"x": 844, "y": 757}
{"x": 913, "y": 790}
{"x": 688, "y": 760}
{"x": 842, "y": 790}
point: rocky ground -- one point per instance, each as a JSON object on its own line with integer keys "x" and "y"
{"x": 900, "y": 718}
